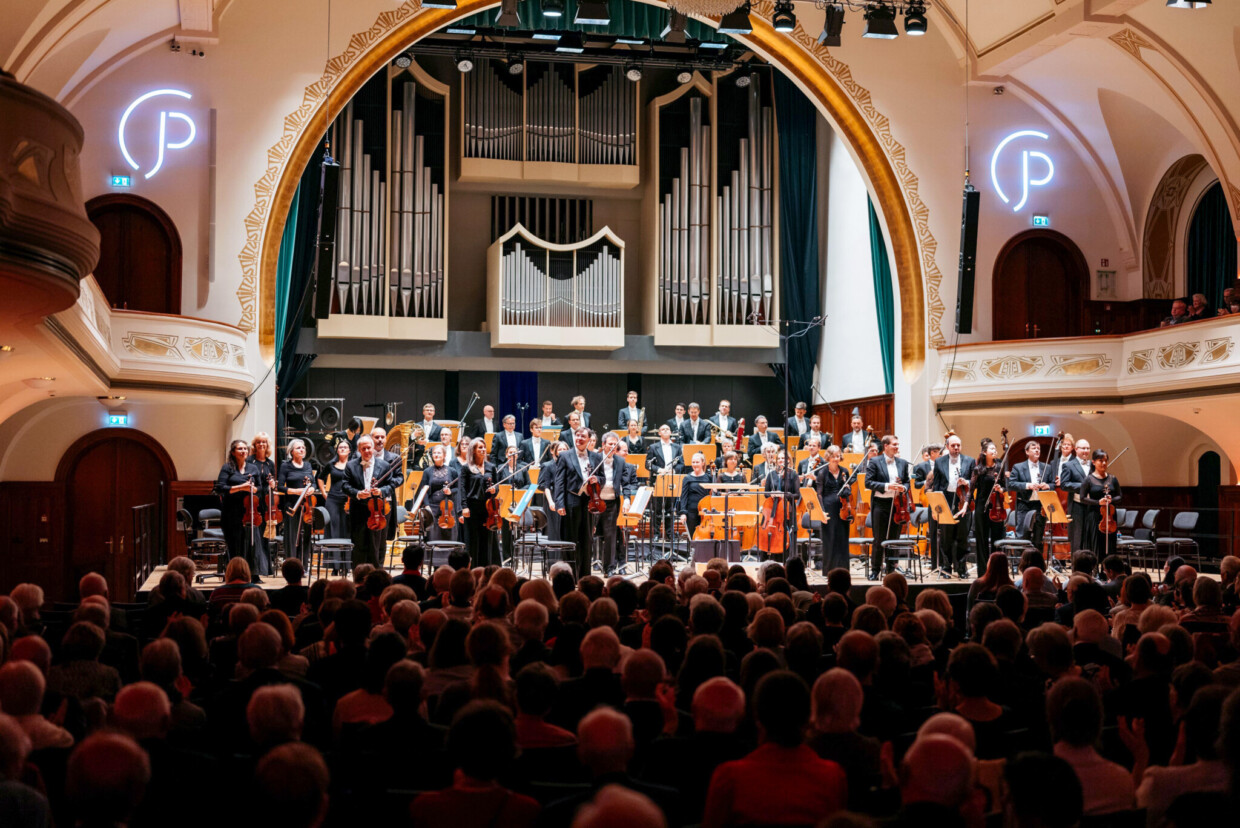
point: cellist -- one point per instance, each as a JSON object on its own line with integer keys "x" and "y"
{"x": 362, "y": 484}
{"x": 782, "y": 482}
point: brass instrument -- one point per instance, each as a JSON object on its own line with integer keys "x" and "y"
{"x": 641, "y": 420}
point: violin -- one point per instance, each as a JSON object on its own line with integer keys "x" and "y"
{"x": 995, "y": 510}
{"x": 269, "y": 530}
{"x": 1108, "y": 525}
{"x": 309, "y": 501}
{"x": 901, "y": 508}
{"x": 376, "y": 521}
{"x": 493, "y": 521}
{"x": 447, "y": 513}
{"x": 251, "y": 516}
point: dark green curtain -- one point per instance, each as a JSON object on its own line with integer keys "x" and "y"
{"x": 798, "y": 230}
{"x": 295, "y": 279}
{"x": 884, "y": 300}
{"x": 1211, "y": 247}
{"x": 627, "y": 19}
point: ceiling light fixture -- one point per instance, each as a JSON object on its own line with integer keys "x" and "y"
{"x": 633, "y": 71}
{"x": 785, "y": 17}
{"x": 592, "y": 13}
{"x": 509, "y": 16}
{"x": 571, "y": 43}
{"x": 674, "y": 31}
{"x": 515, "y": 65}
{"x": 684, "y": 76}
{"x": 553, "y": 8}
{"x": 464, "y": 63}
{"x": 404, "y": 60}
{"x": 880, "y": 22}
{"x": 915, "y": 20}
{"x": 737, "y": 21}
{"x": 546, "y": 35}
{"x": 832, "y": 26}
{"x": 1187, "y": 4}
{"x": 439, "y": 4}
{"x": 743, "y": 80}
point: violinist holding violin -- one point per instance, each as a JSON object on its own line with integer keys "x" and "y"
{"x": 985, "y": 477}
{"x": 1027, "y": 480}
{"x": 477, "y": 488}
{"x": 887, "y": 476}
{"x": 1099, "y": 492}
{"x": 264, "y": 463}
{"x": 952, "y": 473}
{"x": 364, "y": 481}
{"x": 395, "y": 477}
{"x": 834, "y": 487}
{"x": 296, "y": 479}
{"x": 574, "y": 468}
{"x": 619, "y": 480}
{"x": 238, "y": 493}
{"x": 441, "y": 482}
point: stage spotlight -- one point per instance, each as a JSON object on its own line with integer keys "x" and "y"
{"x": 553, "y": 8}
{"x": 743, "y": 80}
{"x": 571, "y": 43}
{"x": 633, "y": 72}
{"x": 515, "y": 65}
{"x": 674, "y": 32}
{"x": 832, "y": 26}
{"x": 737, "y": 21}
{"x": 684, "y": 76}
{"x": 592, "y": 13}
{"x": 508, "y": 16}
{"x": 404, "y": 60}
{"x": 1187, "y": 4}
{"x": 464, "y": 63}
{"x": 880, "y": 22}
{"x": 439, "y": 4}
{"x": 785, "y": 17}
{"x": 915, "y": 20}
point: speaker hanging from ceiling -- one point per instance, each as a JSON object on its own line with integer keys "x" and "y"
{"x": 968, "y": 260}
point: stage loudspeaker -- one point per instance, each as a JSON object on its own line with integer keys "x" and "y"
{"x": 325, "y": 266}
{"x": 968, "y": 260}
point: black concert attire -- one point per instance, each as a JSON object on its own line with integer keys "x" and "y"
{"x": 435, "y": 478}
{"x": 918, "y": 475}
{"x": 985, "y": 530}
{"x": 824, "y": 439}
{"x": 535, "y": 455}
{"x": 479, "y": 539}
{"x": 789, "y": 484}
{"x": 368, "y": 544}
{"x": 583, "y": 418}
{"x": 854, "y": 442}
{"x": 619, "y": 480}
{"x": 637, "y": 446}
{"x": 518, "y": 479}
{"x": 955, "y": 541}
{"x": 699, "y": 432}
{"x": 298, "y": 535}
{"x": 500, "y": 443}
{"x": 728, "y": 423}
{"x": 626, "y": 415}
{"x": 795, "y": 428}
{"x": 1093, "y": 490}
{"x": 659, "y": 457}
{"x": 547, "y": 484}
{"x": 758, "y": 439}
{"x": 1027, "y": 499}
{"x": 336, "y": 498}
{"x": 266, "y": 480}
{"x": 482, "y": 427}
{"x": 692, "y": 490}
{"x": 237, "y": 536}
{"x": 881, "y": 502}
{"x": 431, "y": 434}
{"x": 1072, "y": 476}
{"x": 570, "y": 479}
{"x": 726, "y": 476}
{"x": 675, "y": 424}
{"x": 396, "y": 479}
{"x": 832, "y": 489}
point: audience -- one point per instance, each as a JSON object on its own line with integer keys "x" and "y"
{"x": 712, "y": 699}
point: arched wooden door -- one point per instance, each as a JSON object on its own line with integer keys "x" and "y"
{"x": 107, "y": 473}
{"x": 1039, "y": 280}
{"x": 139, "y": 254}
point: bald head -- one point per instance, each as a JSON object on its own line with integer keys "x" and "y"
{"x": 605, "y": 741}
{"x": 837, "y": 700}
{"x": 92, "y": 583}
{"x": 936, "y": 769}
{"x": 142, "y": 710}
{"x": 718, "y": 706}
{"x": 600, "y": 648}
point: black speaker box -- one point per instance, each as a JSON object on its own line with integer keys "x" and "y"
{"x": 325, "y": 254}
{"x": 968, "y": 260}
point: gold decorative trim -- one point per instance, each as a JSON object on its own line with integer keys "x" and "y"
{"x": 960, "y": 372}
{"x": 823, "y": 77}
{"x": 1131, "y": 42}
{"x": 1010, "y": 367}
{"x": 1177, "y": 355}
{"x": 1141, "y": 362}
{"x": 1079, "y": 365}
{"x": 155, "y": 346}
{"x": 206, "y": 349}
{"x": 1216, "y": 350}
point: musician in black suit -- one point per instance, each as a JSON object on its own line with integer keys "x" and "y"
{"x": 886, "y": 475}
{"x": 395, "y": 479}
{"x": 573, "y": 470}
{"x": 486, "y": 424}
{"x": 537, "y": 449}
{"x": 509, "y": 436}
{"x": 675, "y": 423}
{"x": 629, "y": 413}
{"x": 798, "y": 424}
{"x": 815, "y": 430}
{"x": 761, "y": 437}
{"x": 361, "y": 484}
{"x": 695, "y": 429}
{"x": 855, "y": 440}
{"x": 723, "y": 418}
{"x": 548, "y": 418}
{"x": 430, "y": 433}
{"x": 579, "y": 405}
{"x": 1072, "y": 476}
{"x": 949, "y": 469}
{"x": 664, "y": 457}
{"x": 1026, "y": 481}
{"x": 617, "y": 484}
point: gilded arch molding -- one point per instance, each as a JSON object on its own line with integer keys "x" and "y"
{"x": 825, "y": 79}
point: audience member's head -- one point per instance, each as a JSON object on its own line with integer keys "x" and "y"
{"x": 781, "y": 707}
{"x": 837, "y": 700}
{"x": 275, "y": 715}
{"x": 292, "y": 781}
{"x": 107, "y": 778}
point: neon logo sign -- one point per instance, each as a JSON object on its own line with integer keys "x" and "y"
{"x": 1025, "y": 181}
{"x": 190, "y": 130}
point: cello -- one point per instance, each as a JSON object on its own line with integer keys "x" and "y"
{"x": 772, "y": 538}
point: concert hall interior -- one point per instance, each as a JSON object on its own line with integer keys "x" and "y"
{"x": 624, "y": 290}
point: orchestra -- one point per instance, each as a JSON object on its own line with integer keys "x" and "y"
{"x": 584, "y": 480}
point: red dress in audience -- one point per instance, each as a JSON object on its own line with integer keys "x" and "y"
{"x": 775, "y": 785}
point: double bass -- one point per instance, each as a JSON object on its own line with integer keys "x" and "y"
{"x": 772, "y": 537}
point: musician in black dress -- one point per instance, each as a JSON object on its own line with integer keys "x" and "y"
{"x": 1099, "y": 489}
{"x": 441, "y": 482}
{"x": 512, "y": 478}
{"x": 781, "y": 479}
{"x": 366, "y": 479}
{"x": 619, "y": 480}
{"x": 333, "y": 475}
{"x": 477, "y": 489}
{"x": 731, "y": 471}
{"x": 633, "y": 440}
{"x": 296, "y": 479}
{"x": 834, "y": 486}
{"x": 234, "y": 482}
{"x": 692, "y": 490}
{"x": 984, "y": 478}
{"x": 265, "y": 463}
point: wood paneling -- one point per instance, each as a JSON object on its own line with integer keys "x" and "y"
{"x": 878, "y": 412}
{"x": 1229, "y": 519}
{"x": 32, "y": 520}
{"x": 1113, "y": 318}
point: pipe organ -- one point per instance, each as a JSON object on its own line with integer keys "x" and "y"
{"x": 551, "y": 113}
{"x": 712, "y": 222}
{"x": 536, "y": 290}
{"x": 608, "y": 129}
{"x": 492, "y": 112}
{"x": 391, "y": 225}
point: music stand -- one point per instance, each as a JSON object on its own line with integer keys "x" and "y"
{"x": 709, "y": 452}
{"x": 631, "y": 518}
{"x": 1054, "y": 511}
{"x": 490, "y": 438}
{"x": 665, "y": 486}
{"x": 943, "y": 516}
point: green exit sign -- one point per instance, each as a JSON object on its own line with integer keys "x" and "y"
{"x": 1042, "y": 430}
{"x": 1041, "y": 221}
{"x": 121, "y": 181}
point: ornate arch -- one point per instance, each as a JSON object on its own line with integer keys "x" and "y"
{"x": 1160, "y": 239}
{"x": 821, "y": 76}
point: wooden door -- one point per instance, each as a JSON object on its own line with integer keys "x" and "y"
{"x": 139, "y": 254}
{"x": 1039, "y": 280}
{"x": 105, "y": 482}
